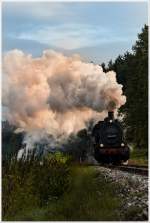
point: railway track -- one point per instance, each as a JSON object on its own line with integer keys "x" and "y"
{"x": 142, "y": 170}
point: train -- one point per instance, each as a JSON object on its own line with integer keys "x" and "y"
{"x": 109, "y": 142}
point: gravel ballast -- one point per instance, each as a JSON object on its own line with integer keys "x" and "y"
{"x": 133, "y": 191}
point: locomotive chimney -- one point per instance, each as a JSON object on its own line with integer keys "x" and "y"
{"x": 111, "y": 115}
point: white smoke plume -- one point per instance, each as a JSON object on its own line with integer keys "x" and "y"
{"x": 55, "y": 94}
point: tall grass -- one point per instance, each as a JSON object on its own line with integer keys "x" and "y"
{"x": 54, "y": 189}
{"x": 90, "y": 198}
{"x": 79, "y": 193}
{"x": 139, "y": 156}
{"x": 29, "y": 183}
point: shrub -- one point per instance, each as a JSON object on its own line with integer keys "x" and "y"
{"x": 32, "y": 182}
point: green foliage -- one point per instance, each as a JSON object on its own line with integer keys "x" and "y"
{"x": 139, "y": 157}
{"x": 32, "y": 183}
{"x": 90, "y": 197}
{"x": 59, "y": 157}
{"x": 132, "y": 73}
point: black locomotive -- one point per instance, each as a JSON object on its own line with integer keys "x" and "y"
{"x": 109, "y": 142}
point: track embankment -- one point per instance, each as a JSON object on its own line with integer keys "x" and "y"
{"x": 132, "y": 189}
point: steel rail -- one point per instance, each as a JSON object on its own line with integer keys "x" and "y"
{"x": 141, "y": 170}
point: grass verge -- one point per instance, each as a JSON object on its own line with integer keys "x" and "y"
{"x": 139, "y": 157}
{"x": 89, "y": 198}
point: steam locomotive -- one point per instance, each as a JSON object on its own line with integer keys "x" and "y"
{"x": 109, "y": 143}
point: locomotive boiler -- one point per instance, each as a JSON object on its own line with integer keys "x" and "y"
{"x": 109, "y": 143}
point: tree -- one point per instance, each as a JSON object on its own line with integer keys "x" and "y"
{"x": 103, "y": 66}
{"x": 132, "y": 73}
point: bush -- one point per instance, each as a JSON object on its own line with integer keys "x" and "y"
{"x": 30, "y": 182}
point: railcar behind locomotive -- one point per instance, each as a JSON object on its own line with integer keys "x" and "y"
{"x": 109, "y": 143}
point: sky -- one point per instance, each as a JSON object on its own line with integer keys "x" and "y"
{"x": 98, "y": 31}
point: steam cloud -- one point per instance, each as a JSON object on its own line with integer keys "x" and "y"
{"x": 55, "y": 94}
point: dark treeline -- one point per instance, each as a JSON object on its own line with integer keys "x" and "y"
{"x": 132, "y": 73}
{"x": 11, "y": 142}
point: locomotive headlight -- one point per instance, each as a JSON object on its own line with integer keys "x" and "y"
{"x": 122, "y": 144}
{"x": 110, "y": 121}
{"x": 101, "y": 145}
